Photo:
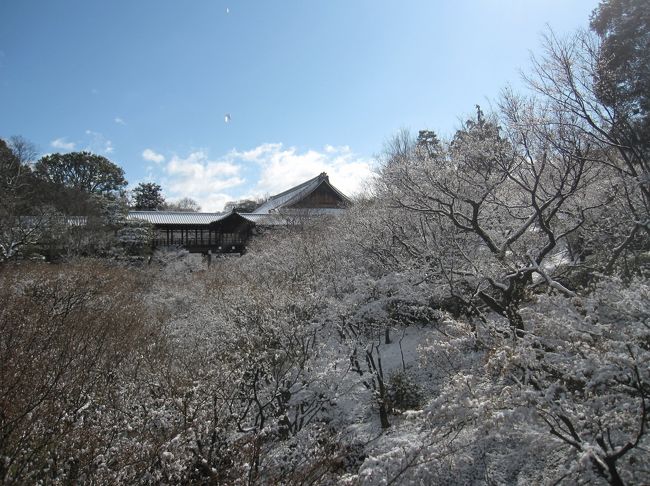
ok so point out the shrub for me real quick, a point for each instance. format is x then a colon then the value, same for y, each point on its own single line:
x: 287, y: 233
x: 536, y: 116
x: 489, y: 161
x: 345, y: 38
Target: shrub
x: 67, y: 336
x: 403, y: 392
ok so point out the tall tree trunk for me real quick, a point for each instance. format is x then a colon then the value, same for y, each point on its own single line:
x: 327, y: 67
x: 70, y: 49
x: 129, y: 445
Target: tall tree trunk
x: 378, y: 372
x: 515, y: 319
x: 614, y: 478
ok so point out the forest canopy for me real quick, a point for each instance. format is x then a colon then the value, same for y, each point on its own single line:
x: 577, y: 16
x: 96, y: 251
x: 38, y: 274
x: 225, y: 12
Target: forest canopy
x: 480, y: 316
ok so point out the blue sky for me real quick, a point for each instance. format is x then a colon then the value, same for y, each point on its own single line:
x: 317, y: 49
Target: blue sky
x: 310, y: 85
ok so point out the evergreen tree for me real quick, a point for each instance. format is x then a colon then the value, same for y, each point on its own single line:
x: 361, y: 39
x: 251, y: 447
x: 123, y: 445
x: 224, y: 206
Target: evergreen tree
x: 148, y: 197
x: 81, y: 171
x: 623, y: 68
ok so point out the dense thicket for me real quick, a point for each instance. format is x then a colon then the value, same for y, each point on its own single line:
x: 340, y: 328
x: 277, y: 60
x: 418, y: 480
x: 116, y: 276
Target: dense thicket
x: 483, y: 317
x: 64, y: 205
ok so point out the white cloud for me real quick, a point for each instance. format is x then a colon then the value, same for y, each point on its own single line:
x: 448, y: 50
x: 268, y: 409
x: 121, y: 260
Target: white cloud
x: 60, y: 143
x: 211, y: 203
x: 99, y: 143
x: 259, y: 153
x: 282, y: 168
x: 273, y: 169
x: 119, y: 121
x: 330, y: 149
x: 202, y: 179
x: 152, y: 156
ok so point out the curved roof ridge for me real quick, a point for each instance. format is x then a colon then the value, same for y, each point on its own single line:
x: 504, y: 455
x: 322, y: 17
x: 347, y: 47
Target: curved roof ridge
x: 290, y: 196
x: 300, y: 186
x: 145, y: 211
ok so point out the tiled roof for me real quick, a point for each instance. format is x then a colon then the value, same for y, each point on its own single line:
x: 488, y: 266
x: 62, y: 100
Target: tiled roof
x: 264, y: 219
x: 296, y: 193
x: 267, y: 214
x: 76, y: 220
x: 175, y: 217
x: 180, y: 218
x: 48, y: 220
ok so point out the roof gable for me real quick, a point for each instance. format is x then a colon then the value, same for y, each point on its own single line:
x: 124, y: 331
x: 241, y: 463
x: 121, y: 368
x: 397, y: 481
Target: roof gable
x: 316, y: 195
x: 293, y: 197
x: 173, y: 218
x: 232, y: 222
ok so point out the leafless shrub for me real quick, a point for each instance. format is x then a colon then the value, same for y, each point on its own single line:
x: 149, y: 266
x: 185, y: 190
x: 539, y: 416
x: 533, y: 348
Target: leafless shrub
x: 66, y: 336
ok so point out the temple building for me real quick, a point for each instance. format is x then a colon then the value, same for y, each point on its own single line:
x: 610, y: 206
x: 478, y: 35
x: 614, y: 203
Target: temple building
x: 229, y: 232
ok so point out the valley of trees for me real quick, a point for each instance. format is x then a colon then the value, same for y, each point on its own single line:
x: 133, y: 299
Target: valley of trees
x: 481, y: 316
